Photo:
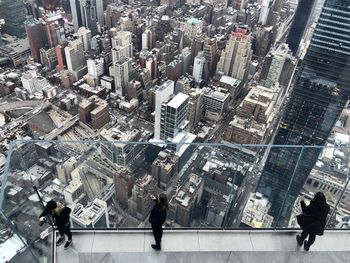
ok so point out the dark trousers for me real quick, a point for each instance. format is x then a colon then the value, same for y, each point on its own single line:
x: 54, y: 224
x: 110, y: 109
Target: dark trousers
x: 65, y: 230
x: 311, y: 240
x: 157, y: 233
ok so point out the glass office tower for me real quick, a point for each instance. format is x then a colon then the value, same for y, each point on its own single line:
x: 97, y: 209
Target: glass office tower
x: 320, y: 92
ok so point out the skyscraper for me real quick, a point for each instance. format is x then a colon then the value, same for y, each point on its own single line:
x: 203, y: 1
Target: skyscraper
x: 14, y: 15
x: 235, y: 60
x: 76, y: 15
x: 162, y: 93
x: 298, y: 26
x: 91, y: 14
x: 211, y: 54
x: 320, y: 92
x: 122, y: 46
x: 173, y: 117
x: 199, y: 67
x: 121, y: 71
x: 279, y: 56
x: 75, y: 58
x: 36, y: 37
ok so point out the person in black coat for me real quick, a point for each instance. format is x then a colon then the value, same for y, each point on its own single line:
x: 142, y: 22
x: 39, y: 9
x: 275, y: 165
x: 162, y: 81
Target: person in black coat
x: 157, y: 219
x: 61, y: 216
x: 312, y: 220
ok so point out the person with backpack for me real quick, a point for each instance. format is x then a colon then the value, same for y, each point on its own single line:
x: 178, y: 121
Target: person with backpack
x: 313, y: 220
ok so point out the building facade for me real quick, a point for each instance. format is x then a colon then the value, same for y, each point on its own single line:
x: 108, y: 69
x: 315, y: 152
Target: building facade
x: 320, y: 93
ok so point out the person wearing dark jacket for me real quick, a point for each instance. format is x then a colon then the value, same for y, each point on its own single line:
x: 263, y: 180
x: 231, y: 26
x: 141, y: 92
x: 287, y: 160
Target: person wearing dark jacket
x: 157, y: 219
x: 312, y: 220
x: 61, y: 217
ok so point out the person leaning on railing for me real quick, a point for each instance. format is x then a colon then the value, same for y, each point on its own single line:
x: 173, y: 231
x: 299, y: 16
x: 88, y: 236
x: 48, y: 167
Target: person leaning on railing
x: 312, y: 220
x: 157, y: 218
x: 61, y: 216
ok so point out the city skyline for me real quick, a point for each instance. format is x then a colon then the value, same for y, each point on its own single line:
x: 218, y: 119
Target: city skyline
x: 106, y: 103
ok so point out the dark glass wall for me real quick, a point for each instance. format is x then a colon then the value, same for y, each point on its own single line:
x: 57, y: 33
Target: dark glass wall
x: 301, y: 17
x: 320, y: 92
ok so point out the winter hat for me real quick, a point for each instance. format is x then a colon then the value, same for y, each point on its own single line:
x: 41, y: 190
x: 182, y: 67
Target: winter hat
x: 51, y: 205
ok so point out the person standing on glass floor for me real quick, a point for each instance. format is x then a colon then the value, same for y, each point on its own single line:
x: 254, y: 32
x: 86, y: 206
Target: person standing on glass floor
x: 61, y: 216
x: 157, y: 218
x: 313, y: 220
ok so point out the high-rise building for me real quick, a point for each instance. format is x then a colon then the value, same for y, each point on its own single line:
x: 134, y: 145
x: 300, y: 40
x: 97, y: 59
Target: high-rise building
x: 113, y: 13
x: 14, y: 12
x: 215, y: 102
x: 266, y: 5
x: 186, y: 198
x: 122, y: 46
x: 91, y: 14
x: 297, y: 28
x: 164, y: 168
x: 254, y: 117
x: 124, y: 182
x: 263, y: 40
x: 319, y: 94
x: 95, y: 67
x: 36, y: 37
x: 195, y: 108
x: 141, y: 202
x: 151, y: 65
x: 200, y: 69
x: 174, y: 69
x: 120, y: 71
x: 173, y: 116
x: 61, y: 58
x: 235, y: 60
x: 196, y: 46
x: 75, y: 58
x: 147, y: 39
x: 94, y: 111
x: 94, y: 215
x: 186, y: 58
x: 210, y: 49
x: 85, y: 35
x: 121, y: 154
x: 162, y: 93
x: 76, y: 15
x: 279, y: 56
x: 239, y: 4
x: 48, y: 58
x: 54, y: 26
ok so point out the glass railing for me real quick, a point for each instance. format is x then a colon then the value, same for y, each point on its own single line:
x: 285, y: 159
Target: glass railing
x: 109, y: 185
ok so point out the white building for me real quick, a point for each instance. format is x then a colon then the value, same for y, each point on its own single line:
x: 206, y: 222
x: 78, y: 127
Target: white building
x: 75, y: 58
x: 121, y: 70
x: 198, y: 67
x: 95, y: 67
x: 147, y: 39
x: 122, y: 46
x: 162, y: 93
x: 173, y: 117
x: 264, y: 11
x: 93, y: 215
x: 85, y: 35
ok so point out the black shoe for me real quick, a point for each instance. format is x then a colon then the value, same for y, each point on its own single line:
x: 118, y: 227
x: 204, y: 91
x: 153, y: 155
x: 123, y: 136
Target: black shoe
x: 299, y: 241
x: 306, y: 246
x: 59, y: 241
x: 68, y: 243
x: 155, y: 247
